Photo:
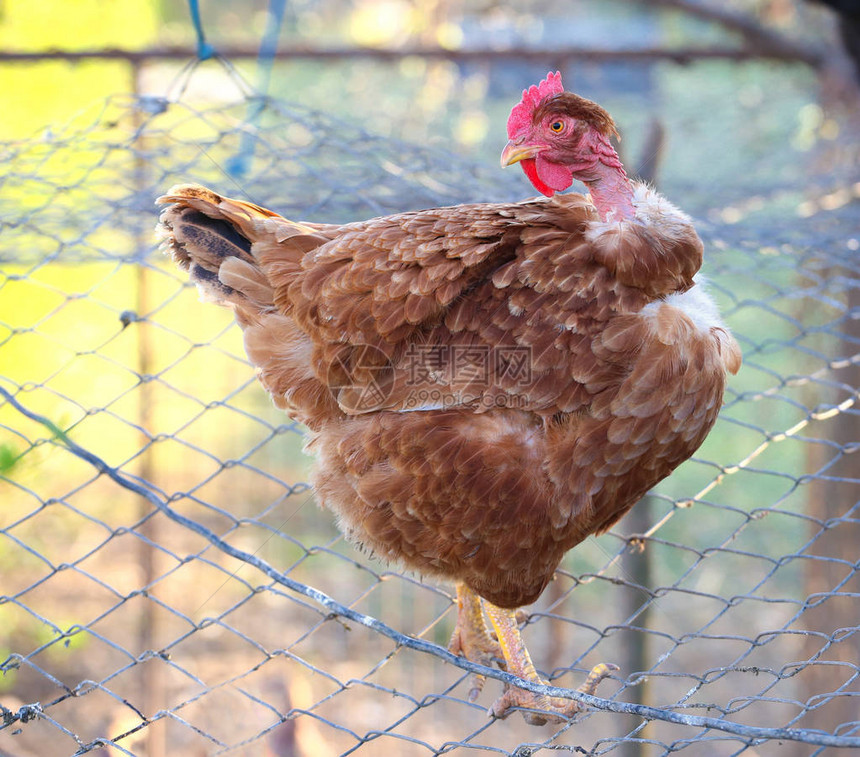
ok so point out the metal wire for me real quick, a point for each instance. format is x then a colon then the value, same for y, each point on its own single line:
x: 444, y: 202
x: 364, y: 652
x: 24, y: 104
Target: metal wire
x: 167, y: 590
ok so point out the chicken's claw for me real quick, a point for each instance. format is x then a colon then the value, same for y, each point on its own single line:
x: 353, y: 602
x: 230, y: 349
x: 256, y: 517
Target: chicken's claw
x: 472, y: 639
x: 539, y: 709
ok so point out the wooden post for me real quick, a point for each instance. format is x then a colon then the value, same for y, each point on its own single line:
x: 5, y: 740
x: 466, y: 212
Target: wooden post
x: 832, y: 581
x: 636, y: 568
x: 152, y: 679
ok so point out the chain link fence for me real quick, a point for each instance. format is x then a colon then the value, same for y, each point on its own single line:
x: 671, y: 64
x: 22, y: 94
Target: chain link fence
x: 169, y: 586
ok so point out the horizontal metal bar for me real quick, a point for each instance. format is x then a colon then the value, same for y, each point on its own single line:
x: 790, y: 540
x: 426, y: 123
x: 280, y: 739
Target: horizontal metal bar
x: 558, y: 56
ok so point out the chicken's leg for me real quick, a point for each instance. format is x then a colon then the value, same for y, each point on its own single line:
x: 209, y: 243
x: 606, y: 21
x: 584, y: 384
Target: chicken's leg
x: 519, y: 663
x: 472, y: 639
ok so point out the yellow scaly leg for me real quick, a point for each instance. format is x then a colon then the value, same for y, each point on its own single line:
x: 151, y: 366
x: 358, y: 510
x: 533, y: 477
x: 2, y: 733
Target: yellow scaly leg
x: 519, y: 663
x: 471, y: 637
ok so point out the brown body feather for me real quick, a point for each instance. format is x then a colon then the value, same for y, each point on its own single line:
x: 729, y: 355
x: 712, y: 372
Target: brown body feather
x: 477, y: 473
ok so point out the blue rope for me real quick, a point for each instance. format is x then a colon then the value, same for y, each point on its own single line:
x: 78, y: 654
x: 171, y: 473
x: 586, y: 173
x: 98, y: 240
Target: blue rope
x: 238, y: 165
x: 269, y: 43
x: 205, y: 51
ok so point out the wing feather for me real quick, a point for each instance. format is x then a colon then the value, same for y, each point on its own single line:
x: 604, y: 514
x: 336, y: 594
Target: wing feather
x: 555, y: 367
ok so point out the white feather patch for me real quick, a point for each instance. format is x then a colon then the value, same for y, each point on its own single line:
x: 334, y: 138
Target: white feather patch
x: 695, y: 303
x: 652, y: 209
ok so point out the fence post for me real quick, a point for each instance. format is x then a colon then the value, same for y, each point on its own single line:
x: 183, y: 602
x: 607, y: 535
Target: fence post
x: 152, y: 680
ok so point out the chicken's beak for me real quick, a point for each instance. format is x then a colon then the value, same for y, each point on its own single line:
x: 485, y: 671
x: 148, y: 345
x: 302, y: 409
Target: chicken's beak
x: 514, y: 153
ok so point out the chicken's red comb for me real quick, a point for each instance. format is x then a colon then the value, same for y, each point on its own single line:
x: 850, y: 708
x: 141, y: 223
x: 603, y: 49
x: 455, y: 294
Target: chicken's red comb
x: 521, y: 114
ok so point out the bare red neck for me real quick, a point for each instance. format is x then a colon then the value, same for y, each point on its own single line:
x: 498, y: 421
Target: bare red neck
x: 611, y: 190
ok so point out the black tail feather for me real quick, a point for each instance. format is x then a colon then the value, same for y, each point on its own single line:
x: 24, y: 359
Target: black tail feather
x: 201, y: 244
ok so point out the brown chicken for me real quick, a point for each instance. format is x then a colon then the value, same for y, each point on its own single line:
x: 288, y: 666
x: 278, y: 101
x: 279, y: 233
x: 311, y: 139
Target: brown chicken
x: 484, y: 385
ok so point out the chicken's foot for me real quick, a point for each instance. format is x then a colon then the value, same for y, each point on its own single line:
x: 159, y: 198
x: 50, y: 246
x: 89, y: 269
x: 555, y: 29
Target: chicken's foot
x: 519, y: 663
x: 472, y: 639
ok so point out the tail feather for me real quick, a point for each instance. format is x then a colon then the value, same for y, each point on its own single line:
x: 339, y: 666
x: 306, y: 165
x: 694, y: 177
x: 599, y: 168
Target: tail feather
x: 242, y: 255
x: 240, y: 276
x: 246, y: 216
x: 228, y: 245
x: 208, y: 236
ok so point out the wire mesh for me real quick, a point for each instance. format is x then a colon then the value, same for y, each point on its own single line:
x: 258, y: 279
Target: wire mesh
x: 169, y: 588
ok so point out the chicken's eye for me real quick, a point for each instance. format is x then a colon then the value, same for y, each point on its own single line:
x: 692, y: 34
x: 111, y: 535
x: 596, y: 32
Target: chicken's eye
x: 557, y: 126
